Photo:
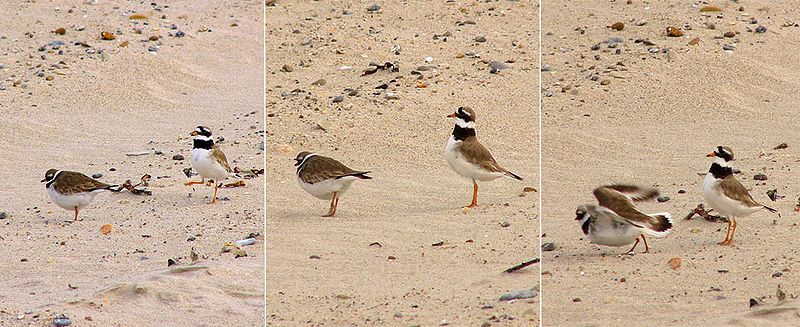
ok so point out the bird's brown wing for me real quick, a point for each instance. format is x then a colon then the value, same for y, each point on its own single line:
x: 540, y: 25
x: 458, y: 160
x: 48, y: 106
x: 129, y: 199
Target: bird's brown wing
x: 732, y: 188
x: 474, y: 152
x: 621, y: 204
x: 70, y: 182
x: 634, y: 192
x: 319, y: 168
x: 220, y: 158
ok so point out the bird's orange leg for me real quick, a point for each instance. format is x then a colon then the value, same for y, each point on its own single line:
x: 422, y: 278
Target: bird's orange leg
x: 474, y: 195
x: 728, y: 235
x: 646, y: 248
x: 334, y: 203
x: 631, y: 252
x: 216, y: 186
x: 76, y: 214
x: 733, y: 232
x: 190, y: 183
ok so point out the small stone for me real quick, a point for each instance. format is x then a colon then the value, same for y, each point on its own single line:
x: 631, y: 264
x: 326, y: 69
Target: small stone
x: 710, y: 9
x: 728, y: 47
x: 596, y: 47
x: 761, y: 29
x: 605, y: 82
x: 781, y: 146
x: 662, y: 199
x: 177, y: 157
x: 681, y: 191
x: 180, y: 34
x: 777, y: 274
x: 97, y: 175
x: 695, y: 41
x: 61, y: 321
x: 760, y: 177
x: 374, y: 7
x: 319, y: 82
x: 153, y: 38
x: 518, y: 295
x: 287, y: 68
x: 3, y: 215
x: 576, y: 300
x: 696, y: 230
x: 550, y: 246
x: 641, y: 22
x: 497, y: 66
x: 729, y: 34
x: 546, y: 68
x: 261, y: 145
x: 480, y: 39
x: 618, y: 26
x: 674, y: 32
x: 107, y: 36
x: 505, y: 224
x: 338, y: 98
x: 124, y: 44
x: 60, y: 31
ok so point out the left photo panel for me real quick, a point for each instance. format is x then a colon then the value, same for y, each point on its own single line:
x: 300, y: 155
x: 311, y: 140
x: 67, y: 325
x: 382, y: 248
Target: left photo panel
x: 133, y: 163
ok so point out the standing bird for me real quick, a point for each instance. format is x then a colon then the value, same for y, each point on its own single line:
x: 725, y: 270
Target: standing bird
x: 468, y: 157
x: 615, y: 221
x: 325, y: 178
x: 72, y: 190
x: 723, y: 192
x: 208, y: 160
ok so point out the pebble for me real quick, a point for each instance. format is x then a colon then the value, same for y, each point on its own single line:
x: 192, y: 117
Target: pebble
x: 3, y: 215
x: 480, y: 39
x: 605, y: 82
x: 596, y: 46
x: 374, y: 7
x: 180, y: 34
x: 497, y: 66
x: 517, y: 295
x: 107, y: 36
x: 261, y: 146
x: 618, y: 26
x: 319, y: 82
x: 392, y: 96
x: 61, y: 321
x: 505, y: 224
x: 761, y: 29
x: 550, y: 246
x: 662, y: 199
x: 760, y: 177
x: 60, y: 31
x: 777, y: 274
x: 674, y: 32
x: 729, y: 34
x: 287, y: 68
x: 728, y: 47
x: 97, y: 175
x: 177, y: 157
x: 338, y: 98
x: 546, y: 68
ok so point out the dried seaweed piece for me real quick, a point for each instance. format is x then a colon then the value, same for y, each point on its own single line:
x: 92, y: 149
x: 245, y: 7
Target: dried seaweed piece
x: 702, y: 212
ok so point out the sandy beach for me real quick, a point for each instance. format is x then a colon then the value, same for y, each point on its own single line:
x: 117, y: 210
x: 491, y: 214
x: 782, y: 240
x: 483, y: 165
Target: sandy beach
x: 124, y: 108
x: 375, y: 262
x: 653, y: 111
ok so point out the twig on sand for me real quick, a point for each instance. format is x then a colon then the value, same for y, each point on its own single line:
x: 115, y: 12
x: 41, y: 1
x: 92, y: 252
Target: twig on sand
x: 248, y: 173
x: 521, y: 265
x: 702, y: 212
x: 128, y: 185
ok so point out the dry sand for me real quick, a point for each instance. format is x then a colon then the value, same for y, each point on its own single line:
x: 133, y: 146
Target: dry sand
x: 653, y: 125
x: 97, y: 108
x: 414, y: 199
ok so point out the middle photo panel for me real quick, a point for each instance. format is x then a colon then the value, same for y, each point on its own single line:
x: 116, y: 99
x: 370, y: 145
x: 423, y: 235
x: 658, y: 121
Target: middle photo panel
x: 402, y: 147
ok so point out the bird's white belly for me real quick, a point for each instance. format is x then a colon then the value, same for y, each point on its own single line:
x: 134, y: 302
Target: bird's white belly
x: 206, y: 166
x: 721, y: 203
x: 611, y: 236
x: 69, y: 202
x: 463, y: 167
x: 324, y: 189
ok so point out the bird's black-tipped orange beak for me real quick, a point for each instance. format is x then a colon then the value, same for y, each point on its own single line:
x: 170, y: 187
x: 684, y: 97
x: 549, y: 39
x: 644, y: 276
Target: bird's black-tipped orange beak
x: 711, y: 154
x: 453, y: 115
x: 193, y: 133
x: 42, y: 181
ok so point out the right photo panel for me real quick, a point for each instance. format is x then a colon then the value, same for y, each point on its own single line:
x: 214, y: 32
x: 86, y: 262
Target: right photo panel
x: 668, y: 150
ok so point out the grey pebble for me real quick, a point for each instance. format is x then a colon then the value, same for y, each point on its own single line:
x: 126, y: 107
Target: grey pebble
x: 180, y: 34
x: 550, y: 246
x: 374, y: 7
x: 663, y: 199
x: 3, y: 215
x: 287, y: 68
x: 177, y: 157
x: 777, y: 274
x: 96, y: 176
x: 546, y: 68
x: 261, y: 146
x: 497, y: 66
x: 505, y: 224
x: 760, y: 177
x: 480, y: 38
x: 761, y: 29
x: 338, y: 98
x: 517, y: 295
x: 615, y: 39
x: 728, y: 47
x: 596, y: 47
x: 61, y: 321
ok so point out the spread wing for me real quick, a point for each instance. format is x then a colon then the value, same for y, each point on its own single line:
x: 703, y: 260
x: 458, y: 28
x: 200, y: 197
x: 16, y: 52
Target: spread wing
x: 73, y: 182
x: 621, y: 204
x: 732, y: 188
x: 635, y: 193
x: 319, y: 168
x: 474, y: 152
x: 220, y: 158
